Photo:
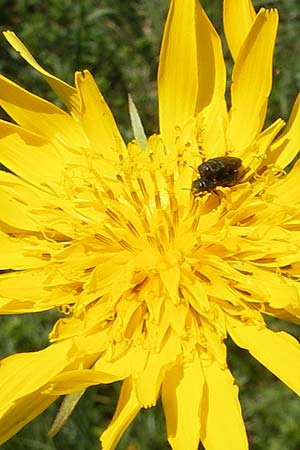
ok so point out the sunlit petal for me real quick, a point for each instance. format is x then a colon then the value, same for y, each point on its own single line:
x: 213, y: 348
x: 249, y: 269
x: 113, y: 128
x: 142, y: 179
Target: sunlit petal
x: 252, y: 80
x: 66, y: 92
x: 238, y: 17
x: 278, y: 352
x: 220, y: 410
x: 127, y: 409
x: 191, y: 67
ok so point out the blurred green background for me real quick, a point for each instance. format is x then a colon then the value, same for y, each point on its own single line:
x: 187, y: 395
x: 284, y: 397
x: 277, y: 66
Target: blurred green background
x: 119, y: 42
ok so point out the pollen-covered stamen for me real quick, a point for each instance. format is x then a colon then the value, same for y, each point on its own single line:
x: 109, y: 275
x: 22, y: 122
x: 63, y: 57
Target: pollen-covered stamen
x: 46, y: 256
x: 156, y: 191
x: 173, y: 204
x: 65, y: 309
x: 121, y: 220
x: 108, y: 191
x: 113, y: 216
x: 120, y: 240
x: 154, y: 202
x: 138, y: 204
x: 143, y: 189
x: 194, y: 206
x: 170, y: 227
x: 201, y: 275
x: 195, y: 224
x: 156, y: 242
x: 103, y: 239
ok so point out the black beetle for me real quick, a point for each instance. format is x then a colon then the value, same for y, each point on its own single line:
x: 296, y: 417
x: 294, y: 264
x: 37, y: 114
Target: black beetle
x: 220, y: 171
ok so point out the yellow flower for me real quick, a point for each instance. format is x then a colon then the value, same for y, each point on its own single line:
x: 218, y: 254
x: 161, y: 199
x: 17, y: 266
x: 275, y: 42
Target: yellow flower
x: 151, y: 277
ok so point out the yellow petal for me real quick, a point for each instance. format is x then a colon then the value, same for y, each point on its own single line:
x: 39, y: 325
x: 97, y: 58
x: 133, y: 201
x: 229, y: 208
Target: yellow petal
x: 104, y: 370
x: 39, y: 116
x: 23, y: 377
x: 30, y: 156
x: 279, y: 352
x: 262, y: 155
x: 149, y: 382
x: 287, y: 190
x: 214, y: 120
x: 181, y: 397
x: 127, y: 409
x: 25, y: 207
x: 23, y: 412
x: 28, y: 378
x: 222, y: 425
x: 25, y: 290
x: 238, y: 17
x: 191, y: 68
x: 73, y: 381
x: 16, y: 199
x: 24, y: 252
x: 66, y: 92
x: 287, y: 146
x: 170, y: 277
x: 97, y: 119
x: 177, y: 64
x: 252, y: 80
x: 15, y: 213
x: 270, y: 287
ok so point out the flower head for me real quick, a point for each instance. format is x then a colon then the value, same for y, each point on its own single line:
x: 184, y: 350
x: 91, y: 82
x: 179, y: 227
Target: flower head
x: 152, y: 278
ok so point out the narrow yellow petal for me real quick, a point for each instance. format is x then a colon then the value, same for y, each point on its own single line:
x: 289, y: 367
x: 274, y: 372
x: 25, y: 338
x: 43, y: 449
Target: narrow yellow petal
x: 212, y: 77
x: 149, y: 382
x: 238, y: 17
x: 279, y: 352
x: 15, y: 213
x: 73, y: 381
x: 127, y: 409
x: 263, y: 155
x: 26, y: 290
x: 26, y: 207
x: 97, y: 119
x: 287, y: 146
x: 215, y: 121
x: 104, y: 370
x: 21, y: 396
x: 191, y: 68
x: 24, y: 252
x: 170, y: 277
x: 39, y: 116
x: 177, y: 72
x: 287, y: 190
x: 221, y: 416
x: 35, y: 369
x: 23, y: 412
x: 64, y: 91
x: 30, y: 156
x: 181, y: 397
x: 210, y: 63
x: 252, y: 80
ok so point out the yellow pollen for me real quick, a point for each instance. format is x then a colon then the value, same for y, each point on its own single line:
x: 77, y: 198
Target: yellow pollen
x: 143, y: 189
x: 195, y: 224
x: 125, y: 245
x: 46, y: 256
x: 105, y: 240
x: 132, y: 228
x: 113, y: 216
